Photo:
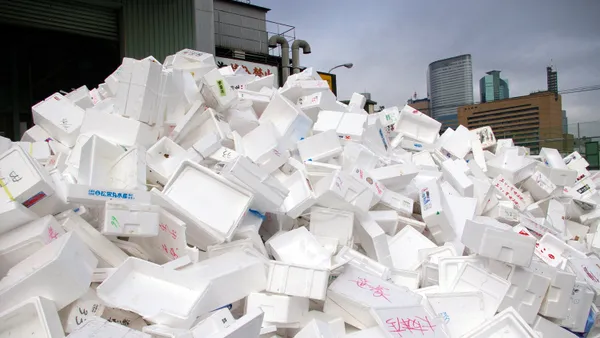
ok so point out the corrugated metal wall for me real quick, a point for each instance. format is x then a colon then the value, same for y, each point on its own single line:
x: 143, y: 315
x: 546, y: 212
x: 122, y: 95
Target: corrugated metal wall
x: 64, y: 15
x: 156, y: 27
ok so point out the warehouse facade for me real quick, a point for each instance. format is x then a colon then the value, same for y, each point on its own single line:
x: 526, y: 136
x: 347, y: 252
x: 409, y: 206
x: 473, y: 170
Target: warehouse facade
x: 61, y: 44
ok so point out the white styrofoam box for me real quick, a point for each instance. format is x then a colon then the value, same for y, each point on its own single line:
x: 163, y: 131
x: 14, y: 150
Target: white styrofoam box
x: 259, y: 101
x: 556, y: 300
x: 98, y: 195
x: 60, y: 271
x: 301, y: 195
x: 81, y: 97
x: 505, y: 212
x: 33, y: 134
x: 497, y: 243
x: 461, y: 210
x: 269, y: 193
x: 314, y: 103
x: 433, y: 213
x: 206, y: 132
x: 560, y: 177
x: 507, y: 324
x: 527, y: 290
x: 327, y: 120
x: 423, y: 160
x: 395, y: 176
x: 351, y: 126
x: 218, y: 217
x: 107, y: 253
x: 13, y: 214
x: 293, y: 90
x: 372, y: 332
x: 396, y: 320
x: 248, y: 325
x: 289, y: 120
x: 515, y: 168
x: 372, y: 239
x: 84, y: 308
x: 433, y: 255
x: 459, y: 143
x: 339, y: 190
x: 353, y: 258
x: 316, y: 328
x: 357, y: 155
x: 208, y: 325
x: 404, y: 248
x: 299, y: 247
x: 20, y: 243
x: 101, y: 328
x: 34, y: 317
x: 130, y: 220
x: 320, y: 147
x: 405, y: 221
x: 386, y: 219
x: 457, y: 178
x: 296, y: 280
x: 237, y: 245
x: 162, y: 160
x: 217, y: 91
x: 539, y: 186
x: 60, y: 117
x: 39, y: 151
x: 357, y: 100
x: 278, y: 309
x: 511, y: 193
x: 118, y: 129
x: 262, y: 145
x: 160, y: 295
x: 376, y: 139
x: 578, y: 308
x: 486, y: 136
x: 575, y: 161
x: 354, y: 292
x: 554, y: 251
x: 493, y: 288
x: 375, y: 189
x: 142, y: 95
x: 546, y: 328
x: 96, y: 159
x: 409, y: 279
x: 417, y: 125
x: 326, y: 222
x: 402, y: 204
x: 460, y: 311
x: 23, y: 180
x: 128, y: 171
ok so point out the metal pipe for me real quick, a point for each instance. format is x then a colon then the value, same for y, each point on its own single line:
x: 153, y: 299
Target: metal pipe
x: 296, y: 54
x: 285, y: 57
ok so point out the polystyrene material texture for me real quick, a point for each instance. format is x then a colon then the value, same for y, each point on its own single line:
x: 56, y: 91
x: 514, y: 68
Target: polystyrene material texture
x: 506, y: 324
x: 132, y: 220
x: 300, y: 247
x: 61, y: 272
x: 294, y: 280
x: 280, y: 309
x: 35, y: 317
x: 405, y: 246
x: 461, y: 311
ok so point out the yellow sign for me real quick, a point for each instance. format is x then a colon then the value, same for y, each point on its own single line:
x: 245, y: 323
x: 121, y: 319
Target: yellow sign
x: 331, y: 81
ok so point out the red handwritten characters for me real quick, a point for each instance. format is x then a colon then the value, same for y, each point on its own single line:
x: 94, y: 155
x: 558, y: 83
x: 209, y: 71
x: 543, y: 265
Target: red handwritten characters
x: 165, y: 249
x: 173, y: 253
x: 163, y: 227
x: 173, y: 234
x: 412, y: 325
x: 378, y: 291
x: 52, y: 233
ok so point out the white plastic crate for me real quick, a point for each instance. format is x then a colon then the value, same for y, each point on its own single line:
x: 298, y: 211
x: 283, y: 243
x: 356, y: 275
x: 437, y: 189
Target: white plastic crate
x: 295, y: 280
x: 60, y: 271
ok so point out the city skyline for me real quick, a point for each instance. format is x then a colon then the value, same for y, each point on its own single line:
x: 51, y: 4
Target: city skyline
x: 392, y: 44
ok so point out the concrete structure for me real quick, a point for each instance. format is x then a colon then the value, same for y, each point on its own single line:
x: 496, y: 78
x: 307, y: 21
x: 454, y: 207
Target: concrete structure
x: 421, y: 105
x: 450, y: 85
x: 492, y: 87
x: 532, y: 121
x: 552, y: 79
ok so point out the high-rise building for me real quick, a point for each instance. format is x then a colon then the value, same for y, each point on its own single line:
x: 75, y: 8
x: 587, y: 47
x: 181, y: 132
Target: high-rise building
x: 450, y: 85
x: 532, y: 121
x: 565, y: 122
x: 492, y: 87
x: 552, y: 78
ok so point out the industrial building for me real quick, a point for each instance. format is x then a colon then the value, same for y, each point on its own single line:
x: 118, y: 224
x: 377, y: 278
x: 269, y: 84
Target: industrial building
x: 533, y: 121
x: 450, y: 85
x: 61, y: 44
x: 492, y: 87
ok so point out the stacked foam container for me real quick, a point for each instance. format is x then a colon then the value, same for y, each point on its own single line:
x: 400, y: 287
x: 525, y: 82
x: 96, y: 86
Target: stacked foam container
x: 182, y: 200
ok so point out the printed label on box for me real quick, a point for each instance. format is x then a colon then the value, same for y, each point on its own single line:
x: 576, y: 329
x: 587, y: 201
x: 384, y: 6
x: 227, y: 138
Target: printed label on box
x: 33, y: 200
x: 111, y: 194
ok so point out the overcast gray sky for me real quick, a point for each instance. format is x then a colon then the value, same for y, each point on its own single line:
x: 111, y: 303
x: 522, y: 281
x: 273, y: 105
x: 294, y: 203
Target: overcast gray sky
x: 391, y: 42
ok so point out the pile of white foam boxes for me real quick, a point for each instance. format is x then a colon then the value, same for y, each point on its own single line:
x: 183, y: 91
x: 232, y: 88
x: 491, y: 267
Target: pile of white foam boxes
x: 185, y: 201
